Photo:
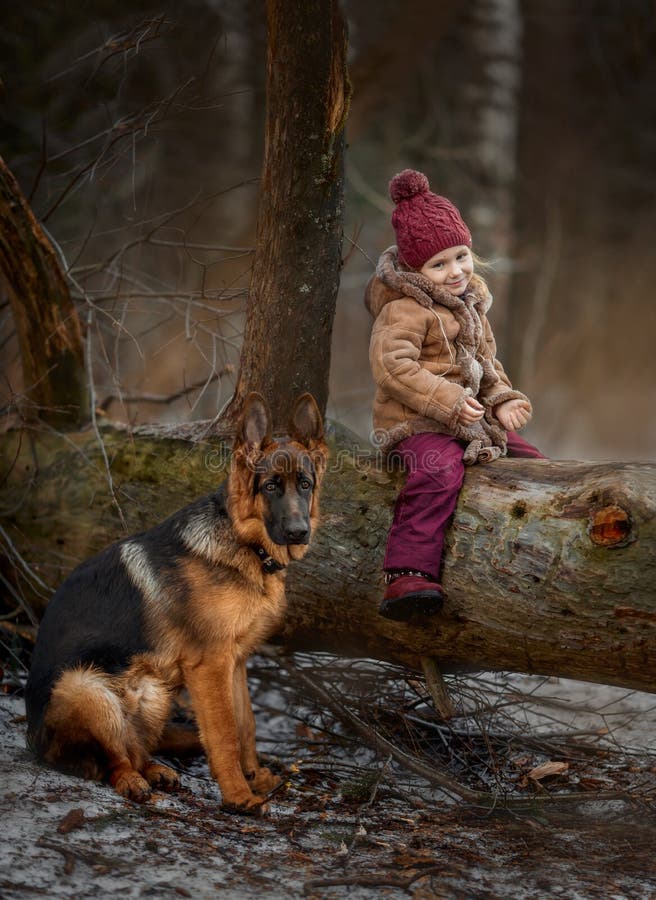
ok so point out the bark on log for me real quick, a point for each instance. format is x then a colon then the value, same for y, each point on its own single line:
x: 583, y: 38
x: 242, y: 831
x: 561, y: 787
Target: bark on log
x: 550, y: 566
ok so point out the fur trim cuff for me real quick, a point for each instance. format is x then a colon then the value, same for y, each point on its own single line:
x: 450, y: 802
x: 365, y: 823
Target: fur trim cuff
x: 491, y: 402
x: 502, y: 396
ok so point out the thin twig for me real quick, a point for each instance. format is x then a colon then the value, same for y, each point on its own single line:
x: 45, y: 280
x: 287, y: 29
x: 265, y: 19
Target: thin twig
x: 444, y: 782
x: 166, y: 398
x: 94, y: 419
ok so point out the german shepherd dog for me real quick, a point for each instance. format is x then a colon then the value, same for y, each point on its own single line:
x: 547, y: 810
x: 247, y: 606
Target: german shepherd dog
x: 181, y: 605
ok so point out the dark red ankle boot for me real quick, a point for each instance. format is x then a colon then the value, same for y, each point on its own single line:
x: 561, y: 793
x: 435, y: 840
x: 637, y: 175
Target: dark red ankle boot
x: 409, y: 595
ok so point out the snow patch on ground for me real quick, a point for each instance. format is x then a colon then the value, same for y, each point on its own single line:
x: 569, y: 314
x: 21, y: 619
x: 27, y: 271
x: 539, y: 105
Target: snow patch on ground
x: 63, y: 837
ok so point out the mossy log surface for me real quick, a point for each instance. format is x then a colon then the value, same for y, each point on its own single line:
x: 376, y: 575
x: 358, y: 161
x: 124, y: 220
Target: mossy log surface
x: 550, y: 566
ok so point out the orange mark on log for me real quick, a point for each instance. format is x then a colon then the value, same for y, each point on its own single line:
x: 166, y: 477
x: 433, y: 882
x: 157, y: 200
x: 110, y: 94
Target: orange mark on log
x: 610, y: 526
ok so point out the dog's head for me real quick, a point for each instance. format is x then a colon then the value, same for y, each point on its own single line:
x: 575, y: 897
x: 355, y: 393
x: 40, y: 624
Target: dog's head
x: 273, y: 494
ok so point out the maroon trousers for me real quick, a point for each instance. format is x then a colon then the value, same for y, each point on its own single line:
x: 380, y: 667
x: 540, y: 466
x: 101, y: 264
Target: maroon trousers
x: 435, y: 472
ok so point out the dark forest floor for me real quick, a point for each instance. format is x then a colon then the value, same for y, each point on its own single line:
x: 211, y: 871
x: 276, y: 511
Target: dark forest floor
x: 347, y: 824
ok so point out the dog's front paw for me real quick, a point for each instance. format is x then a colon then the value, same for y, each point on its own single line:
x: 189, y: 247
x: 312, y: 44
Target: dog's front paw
x: 264, y: 781
x: 163, y: 777
x: 253, y: 805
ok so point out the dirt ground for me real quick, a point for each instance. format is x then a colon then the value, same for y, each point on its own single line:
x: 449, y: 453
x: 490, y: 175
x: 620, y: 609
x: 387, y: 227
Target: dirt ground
x: 347, y: 824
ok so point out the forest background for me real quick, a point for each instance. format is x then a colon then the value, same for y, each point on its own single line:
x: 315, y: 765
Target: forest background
x: 136, y: 131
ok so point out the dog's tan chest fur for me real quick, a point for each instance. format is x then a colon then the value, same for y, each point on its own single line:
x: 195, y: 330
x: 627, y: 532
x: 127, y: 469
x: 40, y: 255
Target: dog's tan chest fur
x: 222, y: 608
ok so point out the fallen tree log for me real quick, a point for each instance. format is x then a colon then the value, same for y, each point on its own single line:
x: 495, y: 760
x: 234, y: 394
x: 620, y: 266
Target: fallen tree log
x: 550, y: 566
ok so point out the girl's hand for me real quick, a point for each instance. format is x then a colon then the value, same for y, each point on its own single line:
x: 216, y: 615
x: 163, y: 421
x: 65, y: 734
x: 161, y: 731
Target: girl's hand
x: 513, y: 414
x: 470, y: 412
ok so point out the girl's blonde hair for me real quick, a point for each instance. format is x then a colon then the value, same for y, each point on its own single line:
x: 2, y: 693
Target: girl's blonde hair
x: 486, y: 265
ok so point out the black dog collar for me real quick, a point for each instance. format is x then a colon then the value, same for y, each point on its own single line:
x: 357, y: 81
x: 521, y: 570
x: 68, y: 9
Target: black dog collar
x: 269, y: 564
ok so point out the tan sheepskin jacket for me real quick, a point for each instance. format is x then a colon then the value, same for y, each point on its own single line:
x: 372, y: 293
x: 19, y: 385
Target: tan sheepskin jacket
x: 430, y: 350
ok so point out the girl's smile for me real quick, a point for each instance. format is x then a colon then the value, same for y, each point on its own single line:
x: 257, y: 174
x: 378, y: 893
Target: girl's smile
x: 451, y: 269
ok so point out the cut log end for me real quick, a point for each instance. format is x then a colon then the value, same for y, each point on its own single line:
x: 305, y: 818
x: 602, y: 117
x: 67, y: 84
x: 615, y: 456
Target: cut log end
x: 610, y: 526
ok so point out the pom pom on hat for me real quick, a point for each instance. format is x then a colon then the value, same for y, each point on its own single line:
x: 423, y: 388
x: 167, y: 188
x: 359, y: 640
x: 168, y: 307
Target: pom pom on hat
x: 425, y: 223
x: 408, y: 183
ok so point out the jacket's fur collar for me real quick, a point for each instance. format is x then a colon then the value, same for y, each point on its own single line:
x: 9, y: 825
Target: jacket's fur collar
x: 391, y: 282
x: 486, y: 439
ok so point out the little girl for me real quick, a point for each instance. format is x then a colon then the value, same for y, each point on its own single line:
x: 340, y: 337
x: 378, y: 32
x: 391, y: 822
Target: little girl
x: 443, y: 400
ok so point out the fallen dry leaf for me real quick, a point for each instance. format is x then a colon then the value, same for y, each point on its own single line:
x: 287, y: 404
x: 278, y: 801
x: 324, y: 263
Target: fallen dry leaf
x: 520, y: 762
x: 547, y: 769
x: 73, y: 819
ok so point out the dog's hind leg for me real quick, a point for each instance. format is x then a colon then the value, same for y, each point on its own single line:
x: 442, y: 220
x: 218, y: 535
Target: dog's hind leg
x: 86, y: 732
x: 175, y: 740
x: 147, y: 705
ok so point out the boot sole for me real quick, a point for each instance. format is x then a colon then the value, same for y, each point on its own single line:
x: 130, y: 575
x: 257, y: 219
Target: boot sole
x: 417, y: 603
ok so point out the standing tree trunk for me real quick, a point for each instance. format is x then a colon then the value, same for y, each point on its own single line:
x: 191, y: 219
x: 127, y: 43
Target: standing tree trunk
x: 299, y: 231
x: 485, y: 128
x: 49, y: 338
x: 551, y: 108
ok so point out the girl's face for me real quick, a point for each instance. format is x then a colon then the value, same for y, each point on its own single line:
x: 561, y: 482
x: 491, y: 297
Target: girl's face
x: 451, y: 269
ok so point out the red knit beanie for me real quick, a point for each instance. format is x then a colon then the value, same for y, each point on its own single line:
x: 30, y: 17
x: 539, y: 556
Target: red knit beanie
x: 425, y: 223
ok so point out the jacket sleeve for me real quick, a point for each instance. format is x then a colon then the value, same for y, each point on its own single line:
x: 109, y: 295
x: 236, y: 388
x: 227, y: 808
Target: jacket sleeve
x: 500, y: 389
x: 397, y: 339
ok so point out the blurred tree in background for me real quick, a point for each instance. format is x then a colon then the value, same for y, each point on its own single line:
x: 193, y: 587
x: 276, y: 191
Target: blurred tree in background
x: 137, y: 133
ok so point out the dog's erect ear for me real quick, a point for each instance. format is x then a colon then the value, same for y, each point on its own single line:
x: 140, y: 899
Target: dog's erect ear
x: 254, y: 428
x: 306, y: 424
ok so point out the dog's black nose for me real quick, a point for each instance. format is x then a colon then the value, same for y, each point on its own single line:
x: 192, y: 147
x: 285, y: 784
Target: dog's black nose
x: 297, y: 535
